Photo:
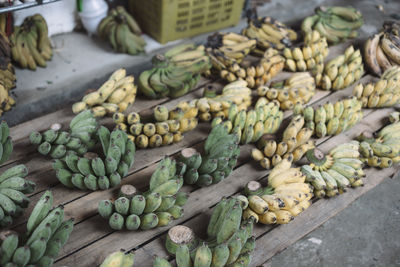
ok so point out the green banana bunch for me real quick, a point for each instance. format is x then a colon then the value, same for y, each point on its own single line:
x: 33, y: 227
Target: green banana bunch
x: 157, y: 207
x: 120, y: 29
x: 383, y: 93
x: 46, y: 234
x: 163, y: 127
x: 30, y: 43
x: 221, y: 154
x: 332, y: 174
x: 7, y: 74
x: 119, y: 259
x: 175, y: 73
x: 336, y: 23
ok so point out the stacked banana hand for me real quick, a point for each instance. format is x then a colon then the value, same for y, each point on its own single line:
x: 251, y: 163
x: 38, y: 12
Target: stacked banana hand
x: 286, y: 196
x: 221, y: 154
x: 229, y: 243
x: 217, y: 105
x: 295, y: 143
x: 115, y: 95
x: 299, y: 88
x: 250, y: 125
x: 332, y: 119
x: 119, y: 259
x: 175, y: 73
x: 30, y: 43
x: 383, y: 150
x: 342, y: 71
x: 382, y: 51
x: 7, y: 74
x: 383, y: 93
x: 336, y: 23
x: 162, y: 128
x: 331, y: 174
x: 78, y: 140
x: 157, y: 207
x: 91, y: 172
x: 46, y: 235
x: 120, y: 29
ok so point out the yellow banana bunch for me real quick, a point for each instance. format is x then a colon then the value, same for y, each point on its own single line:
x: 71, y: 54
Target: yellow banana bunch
x: 7, y: 74
x: 115, y: 95
x: 383, y: 93
x: 332, y: 174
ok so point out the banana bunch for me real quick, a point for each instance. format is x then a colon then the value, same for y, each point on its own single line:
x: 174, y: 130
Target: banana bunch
x: 299, y: 88
x: 295, y: 143
x: 250, y: 125
x: 162, y: 128
x: 217, y: 105
x: 120, y: 29
x: 285, y: 197
x: 342, y: 71
x: 6, y: 145
x: 229, y: 243
x: 7, y: 74
x: 383, y: 150
x: 383, y: 93
x: 157, y: 207
x: 332, y: 119
x: 46, y: 234
x: 119, y: 259
x: 336, y: 23
x: 91, y: 172
x: 382, y: 50
x: 78, y: 140
x: 331, y: 174
x: 175, y: 73
x: 221, y: 154
x: 30, y: 43
x: 115, y: 95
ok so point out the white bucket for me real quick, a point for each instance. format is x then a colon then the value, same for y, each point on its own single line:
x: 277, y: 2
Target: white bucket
x: 93, y: 11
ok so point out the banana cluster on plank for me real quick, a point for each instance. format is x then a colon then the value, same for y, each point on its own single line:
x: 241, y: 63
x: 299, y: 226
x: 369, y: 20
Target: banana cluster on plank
x: 332, y: 174
x: 7, y: 74
x: 299, y: 88
x: 115, y: 95
x: 46, y: 235
x: 383, y: 93
x: 175, y: 73
x: 382, y: 50
x: 336, y: 23
x: 156, y: 207
x: 285, y: 197
x: 119, y: 259
x: 342, y: 71
x: 162, y: 128
x: 295, y: 143
x: 220, y: 157
x: 30, y: 43
x: 120, y: 29
x: 230, y: 239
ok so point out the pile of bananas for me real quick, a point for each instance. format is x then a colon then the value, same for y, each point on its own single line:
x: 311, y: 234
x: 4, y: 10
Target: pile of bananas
x: 115, y: 95
x: 221, y: 154
x: 7, y: 74
x: 295, y: 143
x: 157, y: 207
x: 217, y: 105
x: 78, y: 140
x: 384, y: 150
x: 332, y: 119
x: 229, y: 243
x: 383, y: 93
x: 46, y: 235
x: 30, y: 43
x: 120, y: 29
x: 331, y: 174
x: 175, y: 73
x: 299, y: 88
x: 286, y: 196
x: 119, y: 259
x: 250, y: 125
x: 162, y: 128
x: 335, y: 23
x: 382, y: 51
x: 342, y: 71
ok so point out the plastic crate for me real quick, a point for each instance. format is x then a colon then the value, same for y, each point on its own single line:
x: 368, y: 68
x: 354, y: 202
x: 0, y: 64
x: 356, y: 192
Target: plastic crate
x: 167, y: 20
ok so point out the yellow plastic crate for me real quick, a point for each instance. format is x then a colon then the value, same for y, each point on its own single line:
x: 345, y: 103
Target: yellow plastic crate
x: 168, y: 20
